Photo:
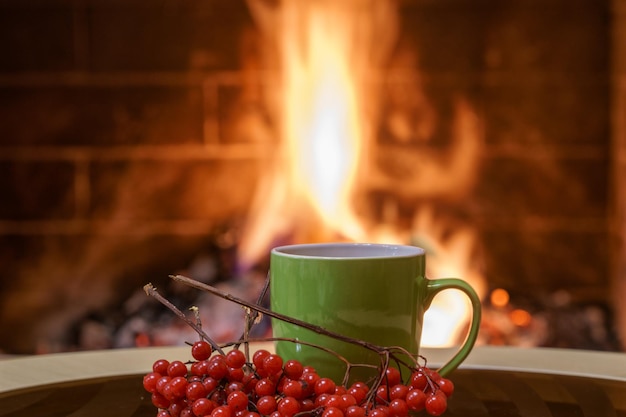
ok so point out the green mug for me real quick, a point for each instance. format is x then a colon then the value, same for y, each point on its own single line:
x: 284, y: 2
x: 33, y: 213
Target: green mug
x: 377, y: 293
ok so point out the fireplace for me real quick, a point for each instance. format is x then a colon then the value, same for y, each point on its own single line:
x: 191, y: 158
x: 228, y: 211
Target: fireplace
x: 138, y: 136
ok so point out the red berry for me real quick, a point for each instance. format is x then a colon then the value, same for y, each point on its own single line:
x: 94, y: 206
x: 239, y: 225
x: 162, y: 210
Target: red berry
x: 258, y: 358
x: 162, y: 383
x: 324, y: 386
x: 235, y: 359
x: 176, y: 368
x: 293, y: 389
x: 264, y: 387
x: 320, y: 400
x: 221, y: 411
x: 237, y: 401
x: 202, y: 407
x: 198, y: 368
x: 379, y: 412
x: 235, y: 374
x: 415, y: 399
x: 249, y: 382
x: 332, y: 412
x: 159, y: 401
x: 176, y: 408
x: 218, y: 397
x: 358, y: 393
x: 392, y: 376
x: 398, y: 408
x: 347, y: 400
x: 266, y: 405
x: 447, y: 386
x: 233, y: 386
x: 201, y: 350
x: 359, y: 384
x: 293, y: 369
x: 382, y: 393
x: 398, y: 391
x: 308, y: 369
x: 333, y: 400
x: 210, y: 383
x: 195, y: 390
x: 160, y: 366
x: 288, y: 406
x: 187, y: 412
x: 150, y: 380
x: 307, y: 405
x: 310, y: 379
x: 176, y: 388
x: 217, y: 367
x: 419, y: 379
x: 436, y: 403
x: 355, y: 411
x: 273, y: 364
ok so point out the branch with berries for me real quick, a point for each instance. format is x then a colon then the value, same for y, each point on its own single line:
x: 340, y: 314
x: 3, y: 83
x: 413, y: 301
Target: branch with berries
x: 228, y: 381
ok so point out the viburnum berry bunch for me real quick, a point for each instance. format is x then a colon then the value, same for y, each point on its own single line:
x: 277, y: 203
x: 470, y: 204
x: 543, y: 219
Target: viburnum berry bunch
x: 230, y: 385
x: 219, y: 383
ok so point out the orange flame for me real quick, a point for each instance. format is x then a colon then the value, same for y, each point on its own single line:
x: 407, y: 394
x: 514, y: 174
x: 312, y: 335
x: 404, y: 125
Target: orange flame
x: 322, y: 130
x: 325, y: 106
x: 324, y: 49
x: 449, y: 254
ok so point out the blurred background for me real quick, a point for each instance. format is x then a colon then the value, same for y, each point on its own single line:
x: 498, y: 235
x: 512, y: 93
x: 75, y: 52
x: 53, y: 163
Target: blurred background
x: 142, y: 138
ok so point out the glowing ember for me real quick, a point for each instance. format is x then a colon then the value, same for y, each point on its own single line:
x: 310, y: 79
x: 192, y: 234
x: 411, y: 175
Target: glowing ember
x: 325, y: 105
x: 499, y: 297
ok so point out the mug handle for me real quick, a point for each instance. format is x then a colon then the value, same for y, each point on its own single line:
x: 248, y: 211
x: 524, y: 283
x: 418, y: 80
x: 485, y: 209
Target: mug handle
x: 433, y: 287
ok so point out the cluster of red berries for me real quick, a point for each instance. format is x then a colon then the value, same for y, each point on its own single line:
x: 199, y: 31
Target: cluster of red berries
x: 230, y: 386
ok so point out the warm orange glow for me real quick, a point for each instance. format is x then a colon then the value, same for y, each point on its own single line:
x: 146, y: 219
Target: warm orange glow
x: 322, y: 120
x: 499, y: 297
x: 450, y: 253
x: 325, y: 107
x: 322, y: 99
x: 521, y: 318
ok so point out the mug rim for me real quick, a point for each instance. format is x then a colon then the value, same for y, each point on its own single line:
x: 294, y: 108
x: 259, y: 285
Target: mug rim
x: 387, y: 250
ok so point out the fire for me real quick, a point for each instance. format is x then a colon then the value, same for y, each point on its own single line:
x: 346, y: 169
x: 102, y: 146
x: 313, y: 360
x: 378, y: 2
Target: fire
x: 322, y: 128
x: 325, y: 107
x: 451, y: 256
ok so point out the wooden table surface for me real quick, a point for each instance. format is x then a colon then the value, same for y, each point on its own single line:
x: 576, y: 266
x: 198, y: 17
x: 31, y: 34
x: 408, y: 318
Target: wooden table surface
x: 493, y: 381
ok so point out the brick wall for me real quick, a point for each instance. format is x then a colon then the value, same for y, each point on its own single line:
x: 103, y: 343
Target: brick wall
x: 119, y: 158
x: 114, y: 168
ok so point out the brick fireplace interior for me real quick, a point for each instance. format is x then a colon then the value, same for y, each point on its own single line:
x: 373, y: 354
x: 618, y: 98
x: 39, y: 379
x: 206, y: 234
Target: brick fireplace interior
x: 133, y: 135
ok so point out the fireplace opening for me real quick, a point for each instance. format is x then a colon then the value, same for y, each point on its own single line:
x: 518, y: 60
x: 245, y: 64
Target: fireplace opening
x: 141, y: 140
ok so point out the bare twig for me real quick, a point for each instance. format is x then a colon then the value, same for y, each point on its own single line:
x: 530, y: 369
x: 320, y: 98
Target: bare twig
x: 316, y: 329
x: 152, y: 291
x: 253, y: 317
